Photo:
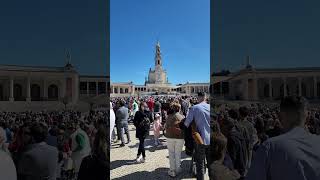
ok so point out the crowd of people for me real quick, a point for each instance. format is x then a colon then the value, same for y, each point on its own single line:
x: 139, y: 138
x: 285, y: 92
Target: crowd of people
x: 184, y: 121
x: 265, y: 141
x: 250, y: 141
x: 62, y: 145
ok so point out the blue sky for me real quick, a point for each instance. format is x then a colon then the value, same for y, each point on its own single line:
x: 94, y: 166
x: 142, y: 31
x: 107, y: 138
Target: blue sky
x: 182, y: 27
x: 36, y: 32
x: 274, y: 33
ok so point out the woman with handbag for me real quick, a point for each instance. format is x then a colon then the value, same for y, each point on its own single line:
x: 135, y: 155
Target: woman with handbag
x: 175, y: 138
x: 142, y: 120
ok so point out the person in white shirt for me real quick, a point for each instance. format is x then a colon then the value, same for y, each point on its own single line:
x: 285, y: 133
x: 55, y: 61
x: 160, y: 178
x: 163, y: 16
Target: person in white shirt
x: 112, y: 121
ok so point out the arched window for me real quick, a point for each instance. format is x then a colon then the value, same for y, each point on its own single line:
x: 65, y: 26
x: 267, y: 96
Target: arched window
x: 116, y: 90
x: 35, y: 92
x: 126, y: 90
x: 53, y: 92
x: 17, y: 92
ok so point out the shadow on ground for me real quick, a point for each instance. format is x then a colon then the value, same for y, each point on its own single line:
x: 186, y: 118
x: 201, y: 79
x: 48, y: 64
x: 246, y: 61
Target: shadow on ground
x: 160, y: 173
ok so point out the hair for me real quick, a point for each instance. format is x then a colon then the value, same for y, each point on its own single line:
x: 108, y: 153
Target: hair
x: 215, y: 127
x: 293, y: 107
x: 121, y: 103
x: 243, y: 111
x: 175, y: 107
x: 292, y: 104
x: 233, y: 114
x: 201, y: 94
x: 38, y: 132
x: 218, y: 146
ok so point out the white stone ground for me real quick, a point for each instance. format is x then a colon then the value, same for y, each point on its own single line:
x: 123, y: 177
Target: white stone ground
x: 124, y: 167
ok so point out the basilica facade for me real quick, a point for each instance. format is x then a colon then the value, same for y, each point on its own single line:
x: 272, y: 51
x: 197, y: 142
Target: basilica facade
x: 157, y: 83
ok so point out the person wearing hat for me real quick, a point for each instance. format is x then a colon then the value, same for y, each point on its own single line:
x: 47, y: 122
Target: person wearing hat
x: 156, y: 129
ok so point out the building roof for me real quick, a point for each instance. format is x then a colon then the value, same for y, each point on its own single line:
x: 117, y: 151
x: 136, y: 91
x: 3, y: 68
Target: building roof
x: 93, y: 76
x: 32, y: 68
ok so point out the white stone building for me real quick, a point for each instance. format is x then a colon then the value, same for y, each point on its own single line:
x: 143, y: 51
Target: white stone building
x: 156, y: 83
x: 35, y: 88
x: 267, y: 83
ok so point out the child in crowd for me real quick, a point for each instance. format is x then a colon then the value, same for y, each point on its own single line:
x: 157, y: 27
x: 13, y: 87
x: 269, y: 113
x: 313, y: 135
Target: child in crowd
x: 157, y: 126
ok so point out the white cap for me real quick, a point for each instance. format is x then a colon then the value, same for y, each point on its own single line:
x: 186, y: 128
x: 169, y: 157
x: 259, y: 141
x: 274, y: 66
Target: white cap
x: 157, y: 115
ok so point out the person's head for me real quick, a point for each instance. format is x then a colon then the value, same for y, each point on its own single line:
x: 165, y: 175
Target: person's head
x: 233, y: 114
x: 143, y: 106
x: 292, y: 112
x: 157, y: 116
x: 175, y: 107
x: 243, y: 112
x: 226, y: 125
x: 218, y: 146
x: 121, y: 103
x: 201, y: 97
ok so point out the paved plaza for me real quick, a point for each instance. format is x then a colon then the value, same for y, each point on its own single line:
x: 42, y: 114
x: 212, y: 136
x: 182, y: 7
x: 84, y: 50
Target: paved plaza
x: 123, y: 165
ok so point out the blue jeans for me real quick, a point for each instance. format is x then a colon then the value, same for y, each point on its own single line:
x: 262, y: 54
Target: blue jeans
x: 202, y: 154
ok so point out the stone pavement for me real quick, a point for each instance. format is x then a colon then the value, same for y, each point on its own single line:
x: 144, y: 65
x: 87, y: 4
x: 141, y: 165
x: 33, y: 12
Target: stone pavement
x: 124, y: 167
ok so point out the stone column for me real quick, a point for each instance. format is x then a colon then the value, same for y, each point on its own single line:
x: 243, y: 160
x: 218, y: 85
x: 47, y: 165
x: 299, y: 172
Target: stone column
x: 76, y: 89
x: 118, y: 90
x: 315, y: 87
x: 300, y: 88
x: 88, y: 88
x: 245, y: 89
x: 284, y: 86
x: 97, y: 88
x: 28, y: 99
x: 11, y: 98
x: 255, y: 89
x: 270, y: 88
x: 45, y: 90
x: 63, y: 87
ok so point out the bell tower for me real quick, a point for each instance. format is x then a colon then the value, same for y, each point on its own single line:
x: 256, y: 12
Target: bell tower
x: 158, y: 60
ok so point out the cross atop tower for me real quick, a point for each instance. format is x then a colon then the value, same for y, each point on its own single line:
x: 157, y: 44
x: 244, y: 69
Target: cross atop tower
x: 68, y: 58
x: 248, y: 65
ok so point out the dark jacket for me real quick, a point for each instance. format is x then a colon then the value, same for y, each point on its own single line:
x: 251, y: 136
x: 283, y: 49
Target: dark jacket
x: 39, y: 161
x: 220, y: 172
x: 142, y: 131
x: 94, y: 167
x: 237, y: 150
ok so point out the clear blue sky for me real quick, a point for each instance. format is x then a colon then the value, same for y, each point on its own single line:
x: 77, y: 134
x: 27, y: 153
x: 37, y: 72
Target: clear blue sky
x: 275, y: 33
x: 36, y: 32
x: 182, y: 27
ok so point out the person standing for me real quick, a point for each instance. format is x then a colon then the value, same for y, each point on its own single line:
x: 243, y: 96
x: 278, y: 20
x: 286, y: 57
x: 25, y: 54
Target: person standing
x: 80, y: 146
x: 175, y: 138
x: 122, y: 115
x: 156, y: 129
x: 200, y: 115
x: 112, y: 121
x: 38, y: 160
x: 294, y: 155
x: 142, y: 121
